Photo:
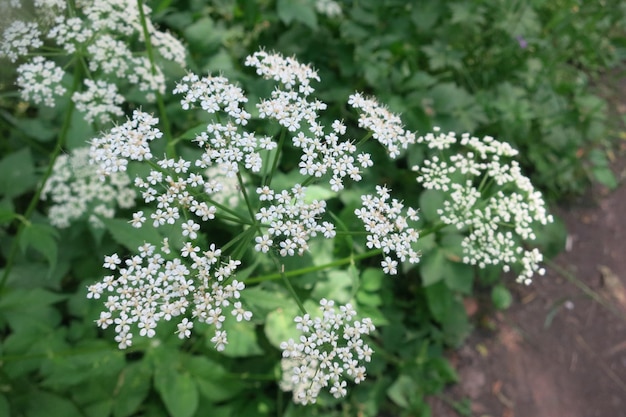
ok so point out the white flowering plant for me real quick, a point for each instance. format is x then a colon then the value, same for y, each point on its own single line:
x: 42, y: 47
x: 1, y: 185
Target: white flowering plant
x: 247, y: 242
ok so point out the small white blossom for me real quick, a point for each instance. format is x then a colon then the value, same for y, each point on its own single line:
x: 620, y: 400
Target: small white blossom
x: 328, y: 353
x: 497, y: 204
x: 40, y: 81
x: 19, y: 38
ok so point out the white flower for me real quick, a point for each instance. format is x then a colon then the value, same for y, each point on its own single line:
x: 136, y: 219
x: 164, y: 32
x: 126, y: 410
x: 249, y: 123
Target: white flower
x: 329, y: 352
x: 190, y: 228
x: 18, y: 38
x: 184, y: 328
x: 99, y: 101
x: 388, y: 228
x: 40, y: 81
x: 497, y: 204
x: 389, y: 266
x: 75, y: 189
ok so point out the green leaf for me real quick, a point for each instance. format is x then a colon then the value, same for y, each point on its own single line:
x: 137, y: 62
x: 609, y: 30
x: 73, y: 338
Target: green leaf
x: 177, y: 390
x: 430, y: 202
x: 439, y: 299
x: 4, y: 406
x: 45, y: 404
x: 211, y: 379
x: 605, y: 176
x: 241, y: 339
x: 317, y: 192
x: 459, y: 277
x: 501, y: 297
x: 297, y: 10
x: 7, y: 215
x: 17, y: 173
x: 22, y: 301
x: 132, y: 389
x: 42, y: 238
x: 128, y: 236
x: 203, y: 35
x: 262, y: 299
x: 369, y: 299
x: 402, y: 391
x: 279, y: 324
x: 336, y: 286
x: 372, y: 279
x: 432, y: 267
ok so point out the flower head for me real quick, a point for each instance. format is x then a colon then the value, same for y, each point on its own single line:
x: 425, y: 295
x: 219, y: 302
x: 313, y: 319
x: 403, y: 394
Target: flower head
x: 329, y: 352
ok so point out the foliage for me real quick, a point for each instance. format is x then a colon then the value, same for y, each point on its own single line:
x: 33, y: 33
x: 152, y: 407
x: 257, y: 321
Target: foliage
x: 519, y: 71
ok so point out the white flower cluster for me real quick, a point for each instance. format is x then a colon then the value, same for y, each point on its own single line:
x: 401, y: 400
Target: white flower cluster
x: 213, y: 94
x: 289, y: 106
x: 290, y: 221
x: 187, y: 192
x: 99, y: 101
x: 329, y: 8
x: 99, y: 31
x: 388, y: 228
x: 386, y: 126
x: 496, y: 204
x: 40, y: 81
x: 18, y: 39
x: 70, y: 33
x: 128, y: 141
x: 75, y: 189
x: 148, y: 288
x: 329, y: 352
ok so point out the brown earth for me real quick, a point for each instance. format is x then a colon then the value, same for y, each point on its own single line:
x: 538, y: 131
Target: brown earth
x: 560, y: 350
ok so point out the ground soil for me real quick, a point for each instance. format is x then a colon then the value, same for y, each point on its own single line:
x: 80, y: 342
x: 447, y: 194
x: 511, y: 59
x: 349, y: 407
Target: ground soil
x: 560, y: 350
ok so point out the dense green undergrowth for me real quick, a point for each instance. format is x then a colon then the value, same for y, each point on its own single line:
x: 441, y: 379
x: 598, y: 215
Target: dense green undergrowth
x: 519, y: 71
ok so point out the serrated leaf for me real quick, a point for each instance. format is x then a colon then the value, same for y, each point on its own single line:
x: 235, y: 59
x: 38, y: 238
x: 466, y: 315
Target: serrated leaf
x: 128, y: 236
x: 439, y: 299
x: 402, y: 390
x: 430, y: 201
x: 297, y: 10
x: 45, y: 404
x: 17, y: 173
x: 280, y: 327
x: 459, y: 277
x: 4, y: 406
x: 372, y: 279
x: 501, y: 297
x: 241, y: 339
x: 336, y: 286
x: 7, y: 215
x: 177, y: 390
x: 432, y: 267
x: 257, y: 297
x: 132, y: 389
x: 211, y: 379
x: 42, y: 238
x: 605, y: 176
x: 317, y: 192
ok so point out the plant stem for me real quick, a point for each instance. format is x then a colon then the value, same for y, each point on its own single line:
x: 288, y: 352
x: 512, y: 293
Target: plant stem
x: 58, y: 147
x: 281, y: 142
x: 290, y: 288
x: 170, y: 150
x: 309, y: 269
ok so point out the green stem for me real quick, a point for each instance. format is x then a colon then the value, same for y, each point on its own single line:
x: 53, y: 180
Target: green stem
x: 309, y: 269
x: 364, y: 139
x: 245, y: 196
x: 169, y: 150
x: 290, y: 287
x: 35, y: 199
x: 281, y: 142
